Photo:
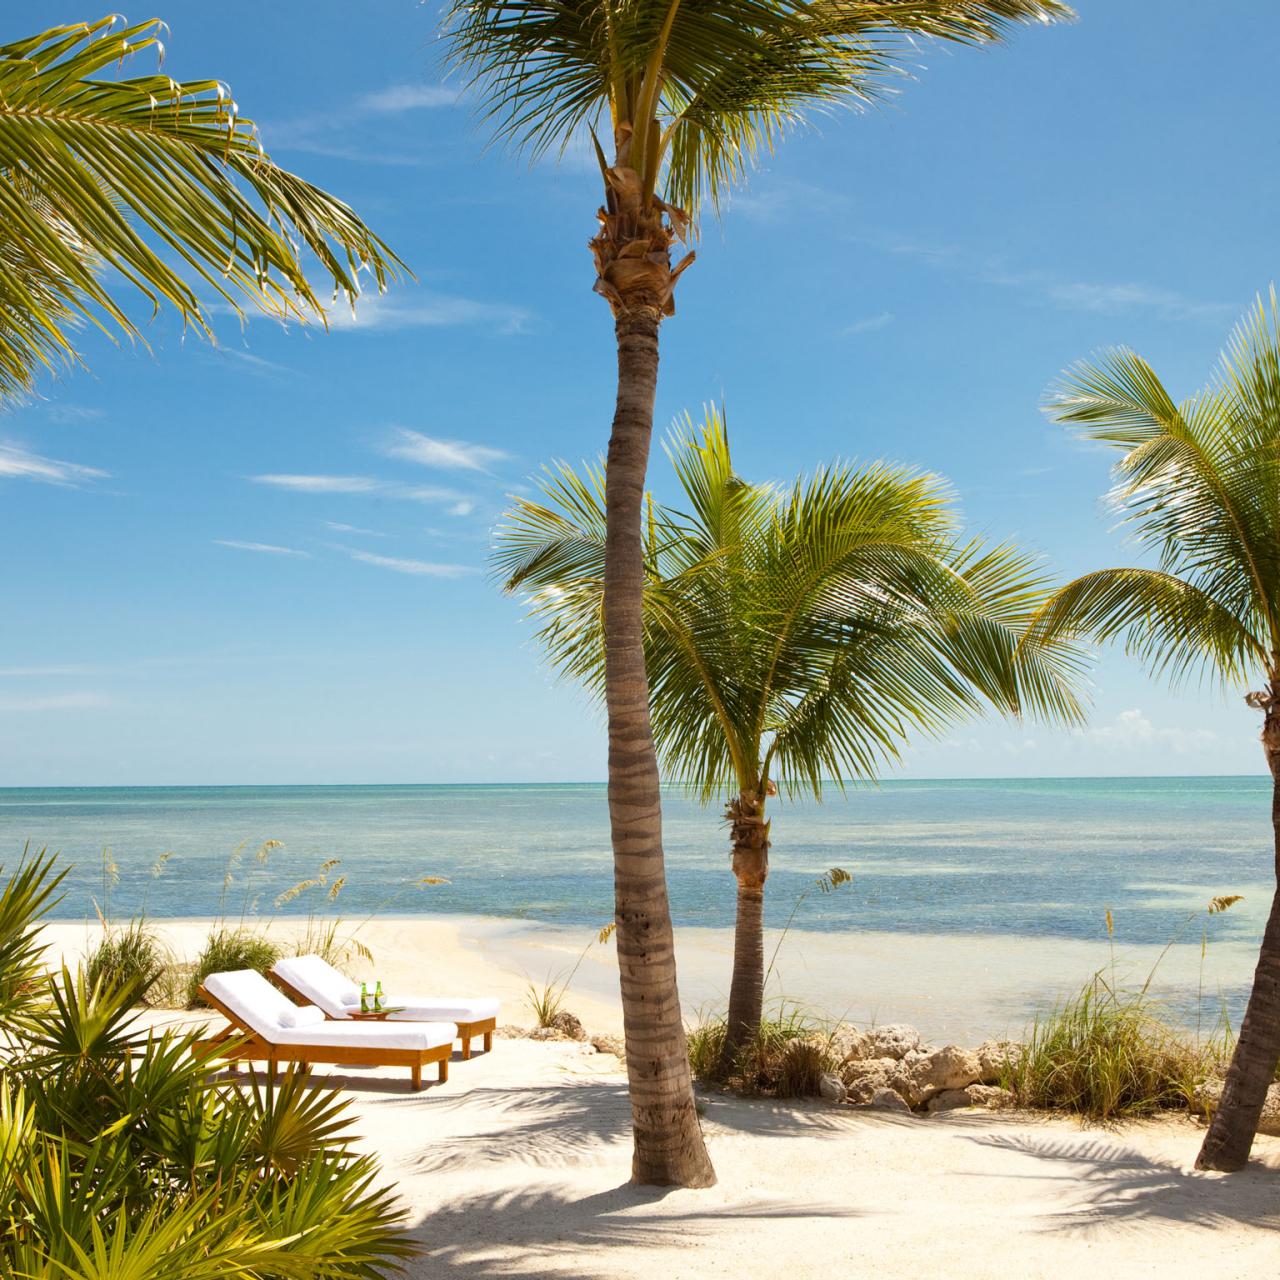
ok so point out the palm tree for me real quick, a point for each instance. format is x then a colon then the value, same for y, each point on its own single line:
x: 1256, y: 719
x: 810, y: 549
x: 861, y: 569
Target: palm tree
x: 1199, y: 482
x: 693, y: 91
x: 161, y: 185
x: 794, y: 637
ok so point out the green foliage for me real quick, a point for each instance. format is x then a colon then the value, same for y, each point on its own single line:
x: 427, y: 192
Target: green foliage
x: 126, y: 955
x: 796, y: 634
x: 694, y: 95
x: 1196, y: 484
x: 786, y: 1058
x: 120, y: 1158
x: 160, y: 185
x: 228, y: 949
x: 1107, y: 1054
x: 26, y: 895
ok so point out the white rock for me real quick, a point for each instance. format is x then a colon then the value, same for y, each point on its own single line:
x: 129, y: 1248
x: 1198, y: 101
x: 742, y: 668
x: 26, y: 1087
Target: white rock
x: 894, y: 1040
x: 950, y: 1067
x: 888, y: 1100
x: 994, y: 1056
x: 830, y: 1088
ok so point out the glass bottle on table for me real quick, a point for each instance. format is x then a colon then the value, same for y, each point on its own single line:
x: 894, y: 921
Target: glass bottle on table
x: 377, y: 997
x: 364, y: 997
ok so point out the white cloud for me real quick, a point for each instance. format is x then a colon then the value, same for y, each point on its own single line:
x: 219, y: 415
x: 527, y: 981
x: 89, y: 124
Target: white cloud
x: 255, y: 364
x: 319, y: 484
x: 17, y: 463
x: 352, y: 528
x: 408, y: 97
x: 26, y: 673
x: 449, y: 455
x: 869, y: 324
x: 266, y: 548
x: 56, y: 702
x: 463, y: 508
x: 419, y: 568
x: 69, y: 413
x: 410, y: 310
x: 1131, y: 731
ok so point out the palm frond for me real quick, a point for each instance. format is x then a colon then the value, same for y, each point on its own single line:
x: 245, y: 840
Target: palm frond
x: 161, y: 184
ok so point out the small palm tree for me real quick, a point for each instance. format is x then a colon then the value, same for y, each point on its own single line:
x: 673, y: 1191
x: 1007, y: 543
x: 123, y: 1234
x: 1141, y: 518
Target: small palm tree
x: 794, y: 637
x: 1199, y: 483
x: 686, y: 94
x: 162, y: 185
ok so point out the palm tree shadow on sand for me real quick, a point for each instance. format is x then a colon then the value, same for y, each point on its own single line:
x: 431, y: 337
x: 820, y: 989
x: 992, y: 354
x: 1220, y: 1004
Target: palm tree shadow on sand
x: 542, y: 1231
x: 1119, y: 1185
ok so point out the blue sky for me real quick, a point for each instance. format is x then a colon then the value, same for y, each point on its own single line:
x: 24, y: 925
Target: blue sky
x: 266, y: 563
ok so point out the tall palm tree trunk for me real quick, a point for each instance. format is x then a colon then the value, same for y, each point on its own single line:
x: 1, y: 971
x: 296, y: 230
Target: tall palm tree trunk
x: 1253, y: 1065
x: 669, y: 1149
x: 749, y: 834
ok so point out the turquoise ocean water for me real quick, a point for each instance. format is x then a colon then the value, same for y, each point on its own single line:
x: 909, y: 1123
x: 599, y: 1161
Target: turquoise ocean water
x: 1022, y: 858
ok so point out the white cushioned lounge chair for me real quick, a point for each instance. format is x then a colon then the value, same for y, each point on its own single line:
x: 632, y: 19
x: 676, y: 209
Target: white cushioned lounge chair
x: 315, y: 981
x: 265, y: 1026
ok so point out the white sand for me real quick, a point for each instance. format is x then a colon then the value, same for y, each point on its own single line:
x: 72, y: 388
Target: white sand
x: 518, y: 1166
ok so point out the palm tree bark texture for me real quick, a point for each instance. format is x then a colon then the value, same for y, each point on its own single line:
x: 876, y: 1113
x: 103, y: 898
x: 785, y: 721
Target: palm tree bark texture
x: 749, y: 836
x: 634, y: 273
x: 1253, y: 1066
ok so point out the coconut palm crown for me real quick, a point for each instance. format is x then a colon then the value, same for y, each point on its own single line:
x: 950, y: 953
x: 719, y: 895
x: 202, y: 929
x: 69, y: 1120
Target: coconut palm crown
x: 158, y: 184
x: 1198, y: 485
x: 795, y: 636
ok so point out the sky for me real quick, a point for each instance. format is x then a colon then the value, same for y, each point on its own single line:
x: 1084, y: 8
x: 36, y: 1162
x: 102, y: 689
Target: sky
x: 265, y: 562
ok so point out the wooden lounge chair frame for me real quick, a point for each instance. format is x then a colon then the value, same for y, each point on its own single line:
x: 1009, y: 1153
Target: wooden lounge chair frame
x: 240, y: 1042
x: 466, y: 1030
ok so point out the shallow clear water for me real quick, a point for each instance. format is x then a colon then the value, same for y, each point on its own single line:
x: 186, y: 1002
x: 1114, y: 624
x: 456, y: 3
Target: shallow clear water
x: 1022, y: 858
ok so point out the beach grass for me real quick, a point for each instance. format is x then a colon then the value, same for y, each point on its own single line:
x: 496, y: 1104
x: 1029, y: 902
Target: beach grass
x: 228, y: 949
x: 787, y: 1057
x: 128, y: 955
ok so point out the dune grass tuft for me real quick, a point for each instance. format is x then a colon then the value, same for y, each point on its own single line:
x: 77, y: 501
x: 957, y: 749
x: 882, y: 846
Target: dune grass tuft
x: 786, y: 1059
x: 1107, y: 1054
x: 128, y: 953
x: 228, y: 949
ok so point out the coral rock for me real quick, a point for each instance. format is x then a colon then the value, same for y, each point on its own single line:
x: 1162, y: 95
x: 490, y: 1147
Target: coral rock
x: 895, y: 1040
x: 830, y: 1088
x: 950, y: 1067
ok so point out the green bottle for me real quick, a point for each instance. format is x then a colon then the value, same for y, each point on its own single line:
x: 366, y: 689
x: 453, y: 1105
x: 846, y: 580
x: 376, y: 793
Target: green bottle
x: 377, y: 997
x: 364, y: 998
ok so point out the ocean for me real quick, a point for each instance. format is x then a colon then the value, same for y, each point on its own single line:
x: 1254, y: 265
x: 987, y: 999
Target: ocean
x: 1022, y: 858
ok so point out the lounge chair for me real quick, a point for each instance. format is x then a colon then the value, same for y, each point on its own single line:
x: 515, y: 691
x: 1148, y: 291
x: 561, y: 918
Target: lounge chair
x: 313, y: 980
x: 267, y: 1026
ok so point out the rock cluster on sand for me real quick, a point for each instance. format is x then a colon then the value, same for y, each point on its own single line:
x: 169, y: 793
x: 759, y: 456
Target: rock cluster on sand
x: 1209, y: 1094
x: 892, y: 1060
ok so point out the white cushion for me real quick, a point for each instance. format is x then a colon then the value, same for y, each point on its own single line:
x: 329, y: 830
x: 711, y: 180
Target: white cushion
x: 339, y: 997
x: 319, y: 982
x: 440, y: 1008
x: 263, y: 1009
x: 306, y: 1016
x: 252, y: 999
x: 370, y: 1035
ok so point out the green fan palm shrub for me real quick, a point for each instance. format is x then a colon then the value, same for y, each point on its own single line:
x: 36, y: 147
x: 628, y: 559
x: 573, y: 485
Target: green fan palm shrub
x: 120, y: 1158
x: 1199, y: 485
x: 794, y: 636
x: 686, y: 97
x: 154, y: 184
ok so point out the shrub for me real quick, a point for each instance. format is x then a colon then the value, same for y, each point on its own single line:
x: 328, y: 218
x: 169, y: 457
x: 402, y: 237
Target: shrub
x: 122, y: 1157
x: 787, y: 1058
x: 125, y: 955
x: 1106, y: 1054
x: 231, y: 949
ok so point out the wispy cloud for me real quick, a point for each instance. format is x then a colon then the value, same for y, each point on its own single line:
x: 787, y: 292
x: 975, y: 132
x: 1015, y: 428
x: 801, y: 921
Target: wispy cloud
x: 1099, y: 297
x: 266, y: 548
x: 396, y: 98
x: 18, y: 463
x: 319, y: 484
x: 56, y: 702
x: 1132, y: 731
x: 418, y: 568
x: 352, y: 528
x: 27, y: 673
x: 65, y: 414
x: 418, y: 310
x: 773, y: 200
x: 869, y: 324
x: 449, y: 455
x: 254, y: 364
x: 463, y: 508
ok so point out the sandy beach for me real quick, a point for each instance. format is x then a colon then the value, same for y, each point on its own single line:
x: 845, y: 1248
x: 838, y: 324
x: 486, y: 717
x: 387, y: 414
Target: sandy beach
x: 518, y: 1166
